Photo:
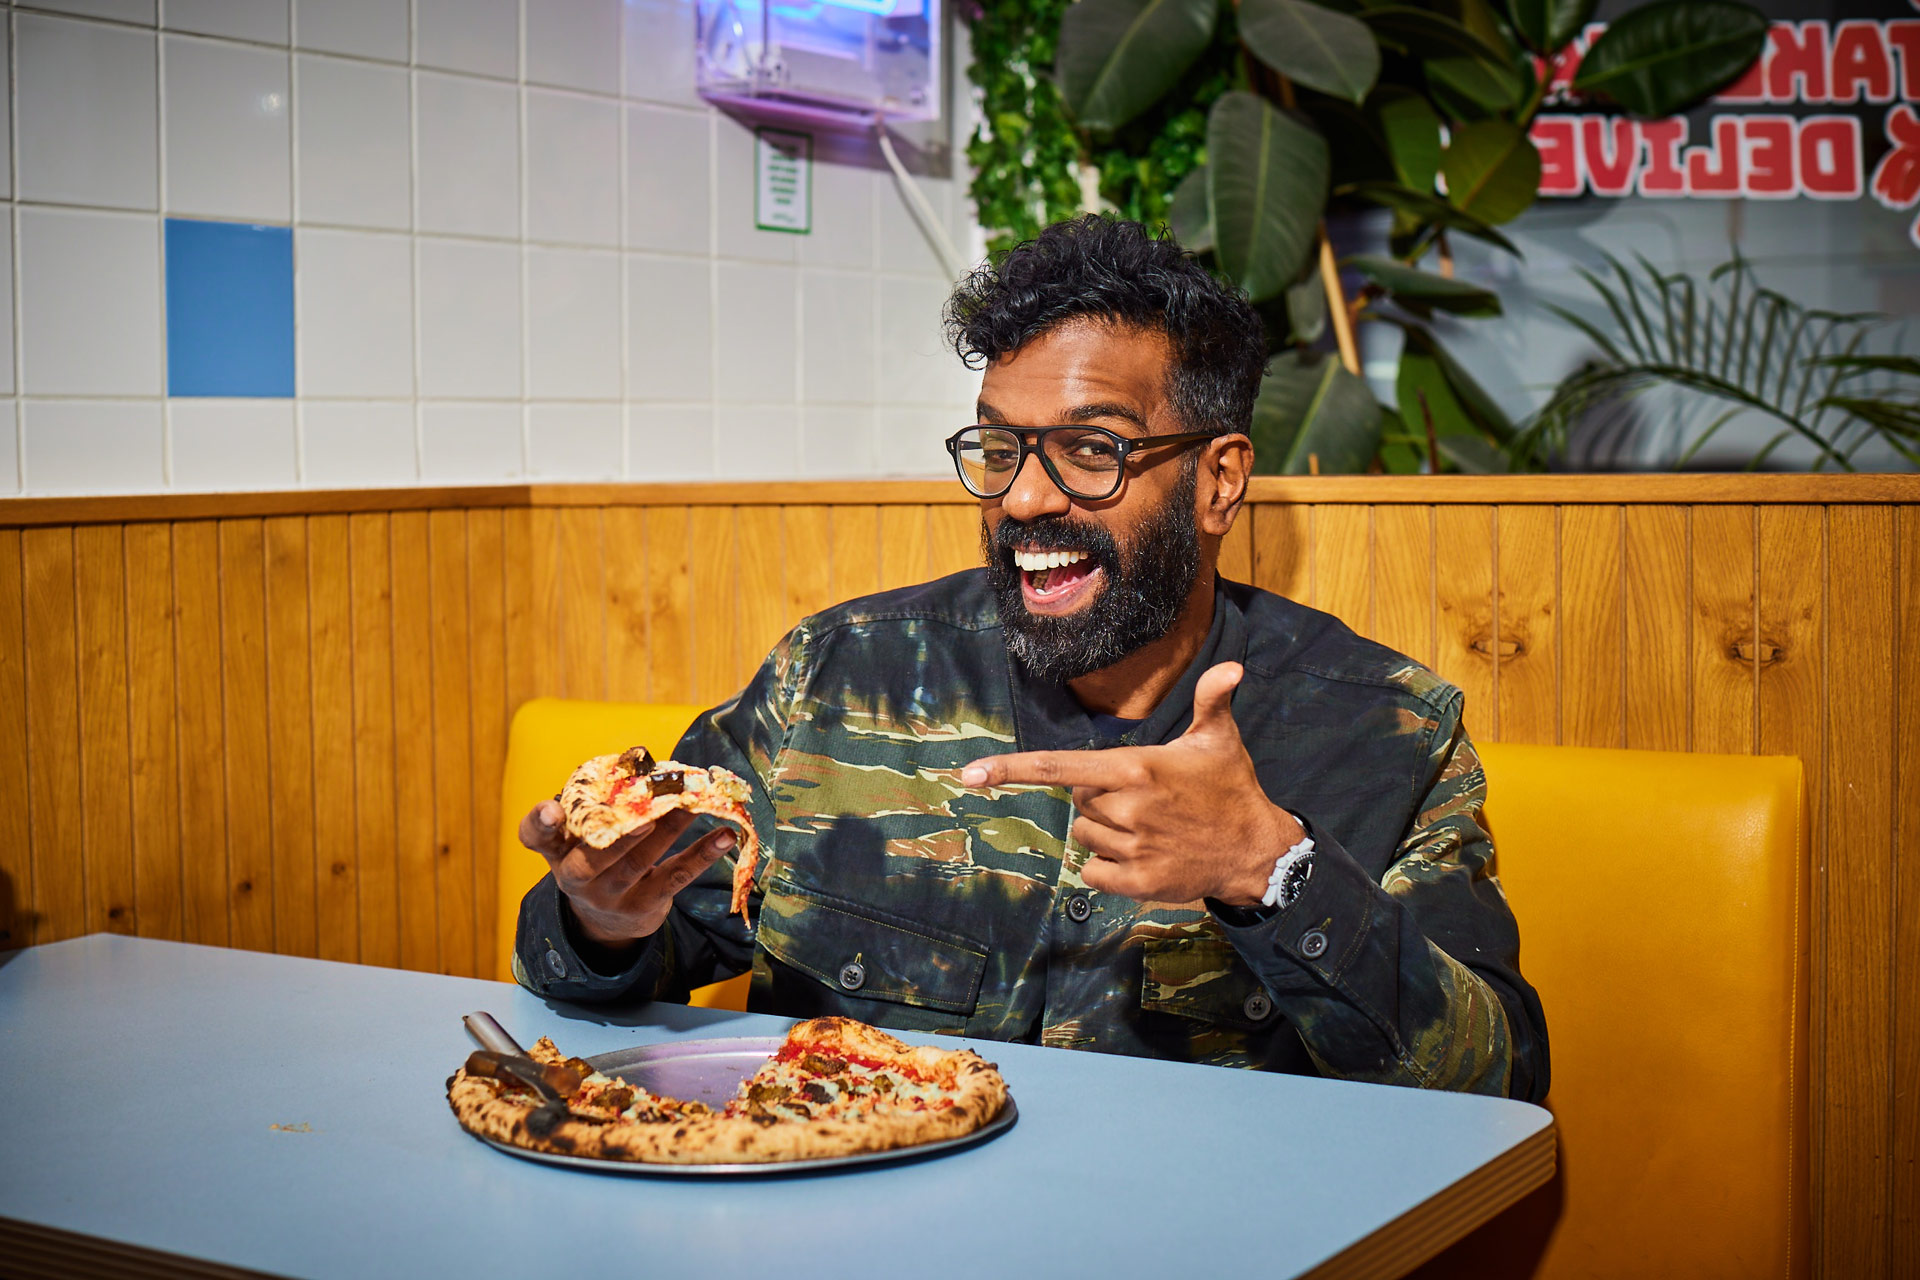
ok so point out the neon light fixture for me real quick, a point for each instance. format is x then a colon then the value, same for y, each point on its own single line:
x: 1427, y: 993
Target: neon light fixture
x: 837, y: 63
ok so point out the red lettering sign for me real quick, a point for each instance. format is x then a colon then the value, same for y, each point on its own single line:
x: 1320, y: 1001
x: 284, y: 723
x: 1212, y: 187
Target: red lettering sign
x: 1769, y: 157
x: 1830, y: 157
x: 1860, y: 64
x: 1663, y: 175
x: 1557, y: 142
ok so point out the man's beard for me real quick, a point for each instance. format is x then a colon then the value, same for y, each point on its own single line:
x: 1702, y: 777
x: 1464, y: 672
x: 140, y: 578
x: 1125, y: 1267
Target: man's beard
x: 1147, y: 584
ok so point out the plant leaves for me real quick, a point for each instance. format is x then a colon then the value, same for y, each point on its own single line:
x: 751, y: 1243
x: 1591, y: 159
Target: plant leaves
x: 1548, y: 26
x: 1117, y: 57
x: 1662, y: 57
x: 1484, y: 84
x: 1190, y: 215
x: 1427, y: 34
x: 1871, y: 364
x: 1307, y: 308
x: 1472, y: 455
x: 1267, y: 183
x: 1428, y: 208
x: 1310, y: 405
x: 1493, y: 171
x: 1314, y: 46
x: 1460, y: 405
x: 1412, y: 132
x: 1457, y: 296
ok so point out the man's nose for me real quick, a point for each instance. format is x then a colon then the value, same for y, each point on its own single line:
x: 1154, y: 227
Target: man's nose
x: 1034, y: 493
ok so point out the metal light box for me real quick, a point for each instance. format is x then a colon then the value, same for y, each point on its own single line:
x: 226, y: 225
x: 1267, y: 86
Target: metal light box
x: 832, y: 63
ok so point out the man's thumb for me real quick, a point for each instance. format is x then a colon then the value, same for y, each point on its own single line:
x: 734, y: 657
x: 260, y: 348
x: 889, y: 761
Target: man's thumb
x: 1213, y: 699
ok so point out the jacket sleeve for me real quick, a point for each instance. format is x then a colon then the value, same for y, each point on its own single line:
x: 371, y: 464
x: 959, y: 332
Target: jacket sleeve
x: 701, y: 942
x: 1412, y: 979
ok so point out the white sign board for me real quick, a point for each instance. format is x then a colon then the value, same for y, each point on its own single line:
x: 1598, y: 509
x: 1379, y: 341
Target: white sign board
x: 783, y: 181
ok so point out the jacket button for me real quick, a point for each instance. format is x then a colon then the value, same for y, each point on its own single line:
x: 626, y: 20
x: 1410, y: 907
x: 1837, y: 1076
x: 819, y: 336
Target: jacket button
x: 1258, y: 1006
x: 555, y: 965
x: 1313, y: 944
x: 853, y: 975
x: 1078, y: 908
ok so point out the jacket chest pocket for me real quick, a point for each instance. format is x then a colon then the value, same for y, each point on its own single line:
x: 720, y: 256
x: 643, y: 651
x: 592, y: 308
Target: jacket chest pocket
x: 1203, y: 978
x: 859, y: 954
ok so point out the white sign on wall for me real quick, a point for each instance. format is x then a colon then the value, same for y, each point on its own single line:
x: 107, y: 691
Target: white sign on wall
x: 783, y: 181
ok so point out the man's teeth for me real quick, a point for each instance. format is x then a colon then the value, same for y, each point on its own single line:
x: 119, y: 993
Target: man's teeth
x: 1036, y: 560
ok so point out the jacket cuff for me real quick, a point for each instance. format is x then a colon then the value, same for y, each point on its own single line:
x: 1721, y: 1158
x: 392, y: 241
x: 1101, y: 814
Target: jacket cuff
x: 1310, y: 944
x: 548, y: 959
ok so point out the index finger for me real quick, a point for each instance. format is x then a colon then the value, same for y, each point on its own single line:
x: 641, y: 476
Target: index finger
x: 1106, y: 770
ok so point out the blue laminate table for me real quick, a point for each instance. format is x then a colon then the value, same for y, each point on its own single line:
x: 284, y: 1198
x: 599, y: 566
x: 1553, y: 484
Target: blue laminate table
x: 175, y: 1109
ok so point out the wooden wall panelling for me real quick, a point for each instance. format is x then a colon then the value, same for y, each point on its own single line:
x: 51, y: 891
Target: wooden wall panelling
x: 100, y: 580
x: 453, y: 834
x: 855, y: 559
x: 807, y: 541
x: 716, y: 617
x: 201, y: 745
x: 330, y: 613
x: 1658, y: 635
x: 629, y: 565
x: 1343, y: 563
x: 243, y: 671
x: 53, y: 736
x: 290, y: 737
x: 413, y: 735
x: 1725, y: 644
x: 583, y: 603
x: 953, y: 538
x: 903, y: 546
x: 154, y: 777
x: 669, y: 605
x: 16, y: 836
x: 1463, y: 549
x: 1854, y: 1206
x: 1527, y: 639
x: 1592, y: 628
x: 1905, y: 1224
x: 1236, y: 549
x: 1282, y: 550
x: 487, y: 698
x: 370, y: 554
x: 531, y: 567
x: 765, y: 613
x: 1403, y: 580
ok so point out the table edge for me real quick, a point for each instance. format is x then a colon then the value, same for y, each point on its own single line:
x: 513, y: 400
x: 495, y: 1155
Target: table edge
x: 1449, y: 1215
x: 35, y: 1252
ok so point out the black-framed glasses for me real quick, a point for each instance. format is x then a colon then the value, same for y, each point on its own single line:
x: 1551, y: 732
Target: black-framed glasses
x: 1086, y: 462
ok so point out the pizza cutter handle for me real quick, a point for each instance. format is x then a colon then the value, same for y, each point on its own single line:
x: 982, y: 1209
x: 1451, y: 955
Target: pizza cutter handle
x: 491, y: 1035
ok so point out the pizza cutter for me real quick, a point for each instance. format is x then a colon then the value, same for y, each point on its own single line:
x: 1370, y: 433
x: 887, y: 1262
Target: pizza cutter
x: 501, y: 1055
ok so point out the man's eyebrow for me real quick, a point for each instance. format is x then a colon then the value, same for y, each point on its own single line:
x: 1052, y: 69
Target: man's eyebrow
x: 986, y: 413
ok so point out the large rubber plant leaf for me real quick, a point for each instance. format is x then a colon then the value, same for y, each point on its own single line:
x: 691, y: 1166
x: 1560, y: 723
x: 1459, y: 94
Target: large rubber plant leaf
x: 1313, y: 46
x: 1664, y: 56
x: 1190, y: 213
x: 1307, y: 307
x: 1412, y: 132
x: 1267, y: 179
x: 1117, y: 57
x: 1460, y: 405
x: 1426, y: 34
x: 1424, y: 287
x: 1548, y: 26
x: 1489, y: 86
x: 1493, y: 170
x: 1428, y: 208
x: 1310, y: 407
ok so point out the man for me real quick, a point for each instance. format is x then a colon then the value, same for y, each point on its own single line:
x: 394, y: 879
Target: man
x: 1090, y: 795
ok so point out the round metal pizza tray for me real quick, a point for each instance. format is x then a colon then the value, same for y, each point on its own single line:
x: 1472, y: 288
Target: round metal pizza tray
x: 710, y: 1071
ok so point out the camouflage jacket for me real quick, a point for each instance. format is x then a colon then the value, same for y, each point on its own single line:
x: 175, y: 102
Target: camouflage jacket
x: 890, y: 893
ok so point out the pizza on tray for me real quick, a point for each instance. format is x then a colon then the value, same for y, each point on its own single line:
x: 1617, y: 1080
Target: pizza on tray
x: 836, y: 1087
x: 610, y: 796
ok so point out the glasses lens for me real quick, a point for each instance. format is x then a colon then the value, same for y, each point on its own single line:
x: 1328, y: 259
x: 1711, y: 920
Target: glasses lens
x: 1087, y: 462
x: 988, y: 459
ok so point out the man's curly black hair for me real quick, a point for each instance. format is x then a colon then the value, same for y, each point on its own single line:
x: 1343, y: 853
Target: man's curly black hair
x: 1118, y: 271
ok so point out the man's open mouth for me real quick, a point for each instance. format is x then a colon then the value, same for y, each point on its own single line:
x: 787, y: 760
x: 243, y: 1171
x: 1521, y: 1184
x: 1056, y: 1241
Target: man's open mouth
x: 1053, y: 577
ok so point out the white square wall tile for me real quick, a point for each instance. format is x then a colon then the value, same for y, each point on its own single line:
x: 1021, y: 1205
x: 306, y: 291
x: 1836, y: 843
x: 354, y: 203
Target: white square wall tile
x: 574, y: 44
x: 9, y: 447
x: 354, y: 291
x: 914, y: 357
x: 229, y: 153
x: 7, y: 379
x: 843, y: 198
x: 837, y: 441
x: 88, y: 109
x: 669, y: 160
x: 471, y: 443
x: 757, y: 336
x: 573, y: 325
x: 657, y: 50
x: 759, y: 442
x: 261, y: 21
x: 669, y: 329
x: 574, y: 441
x: 232, y: 445
x: 348, y: 446
x: 479, y: 36
x: 137, y: 11
x: 669, y: 442
x: 911, y: 442
x: 836, y: 337
x: 89, y: 302
x: 354, y: 143
x: 6, y: 110
x: 362, y: 28
x: 736, y: 234
x: 469, y: 163
x: 573, y: 169
x: 469, y: 319
x: 92, y: 446
x: 904, y: 245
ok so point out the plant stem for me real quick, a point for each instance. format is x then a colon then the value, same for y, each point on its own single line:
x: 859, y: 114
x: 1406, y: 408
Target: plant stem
x: 1337, y: 306
x: 1433, y: 441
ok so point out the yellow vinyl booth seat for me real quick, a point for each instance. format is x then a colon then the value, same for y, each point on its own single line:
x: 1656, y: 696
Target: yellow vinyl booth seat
x: 1662, y: 900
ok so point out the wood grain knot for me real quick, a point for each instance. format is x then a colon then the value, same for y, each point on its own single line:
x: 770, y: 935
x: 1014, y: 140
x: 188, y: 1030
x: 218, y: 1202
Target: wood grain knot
x: 1487, y: 646
x: 245, y: 886
x: 1764, y: 653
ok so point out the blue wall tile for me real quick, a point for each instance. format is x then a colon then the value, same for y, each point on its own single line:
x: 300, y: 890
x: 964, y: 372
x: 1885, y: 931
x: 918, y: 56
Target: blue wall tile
x: 229, y: 309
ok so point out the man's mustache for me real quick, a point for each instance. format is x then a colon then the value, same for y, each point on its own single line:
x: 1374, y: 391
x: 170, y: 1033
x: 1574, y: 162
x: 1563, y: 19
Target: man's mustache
x: 1054, y: 533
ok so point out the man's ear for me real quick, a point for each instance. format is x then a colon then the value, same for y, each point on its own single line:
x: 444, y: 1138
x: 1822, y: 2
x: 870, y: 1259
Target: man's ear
x: 1222, y: 487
